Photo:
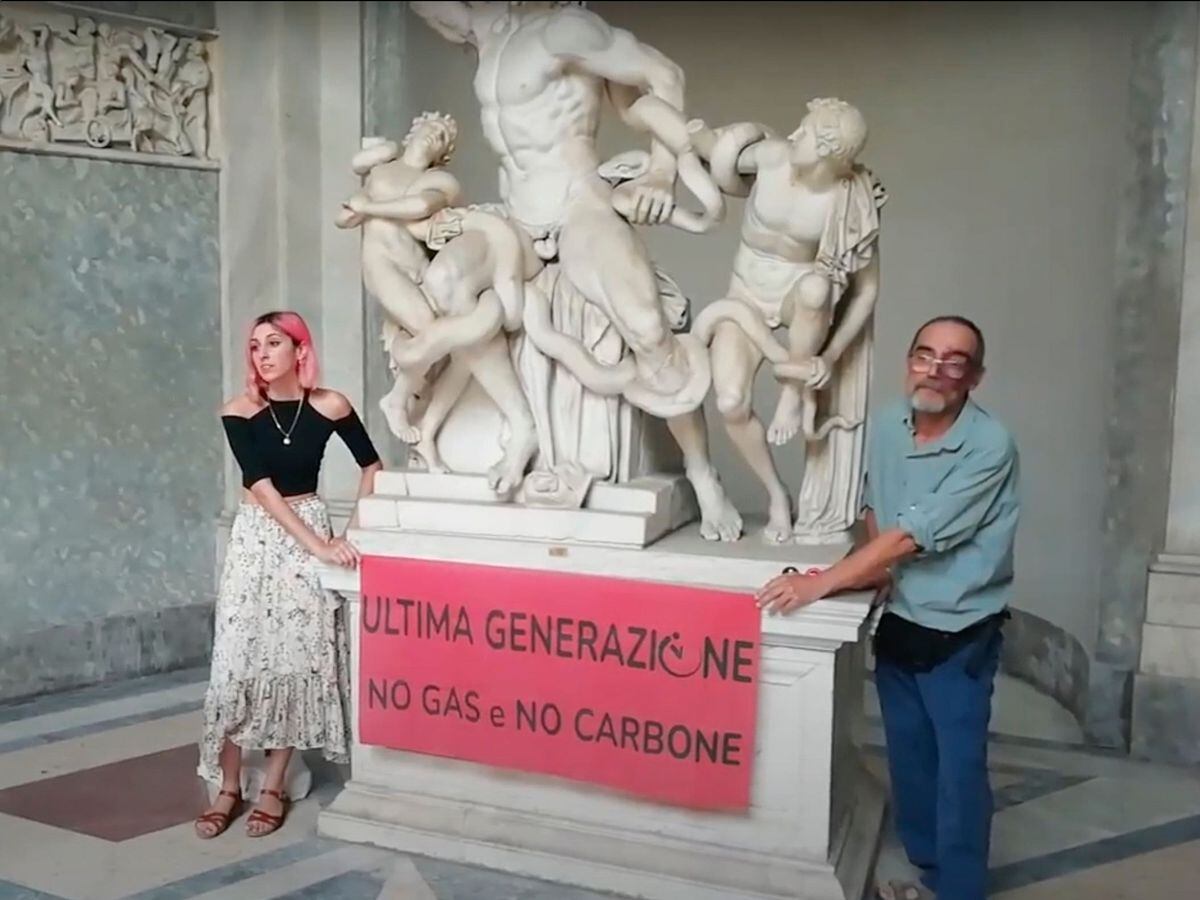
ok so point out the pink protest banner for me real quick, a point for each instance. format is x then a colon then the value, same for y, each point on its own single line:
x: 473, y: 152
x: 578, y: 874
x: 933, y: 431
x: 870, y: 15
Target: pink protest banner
x: 649, y: 689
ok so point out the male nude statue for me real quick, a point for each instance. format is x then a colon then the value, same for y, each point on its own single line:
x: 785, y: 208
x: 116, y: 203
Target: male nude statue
x: 406, y: 203
x: 808, y: 250
x: 410, y: 185
x: 542, y: 74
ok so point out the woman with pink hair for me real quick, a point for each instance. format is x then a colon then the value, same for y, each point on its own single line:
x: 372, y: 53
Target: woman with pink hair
x: 280, y: 678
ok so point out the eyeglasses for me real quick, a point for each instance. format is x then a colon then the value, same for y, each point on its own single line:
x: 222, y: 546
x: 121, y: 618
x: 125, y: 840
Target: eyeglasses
x: 956, y: 367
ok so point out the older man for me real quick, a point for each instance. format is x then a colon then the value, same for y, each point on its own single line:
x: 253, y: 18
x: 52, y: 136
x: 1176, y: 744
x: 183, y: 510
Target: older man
x: 941, y: 518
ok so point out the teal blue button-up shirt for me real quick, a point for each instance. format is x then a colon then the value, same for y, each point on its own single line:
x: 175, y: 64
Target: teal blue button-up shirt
x: 957, y: 497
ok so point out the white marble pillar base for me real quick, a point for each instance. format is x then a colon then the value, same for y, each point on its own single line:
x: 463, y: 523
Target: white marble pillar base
x: 813, y: 827
x: 1166, y: 688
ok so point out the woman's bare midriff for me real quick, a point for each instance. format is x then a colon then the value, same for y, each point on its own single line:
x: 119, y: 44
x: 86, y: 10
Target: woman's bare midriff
x: 248, y: 497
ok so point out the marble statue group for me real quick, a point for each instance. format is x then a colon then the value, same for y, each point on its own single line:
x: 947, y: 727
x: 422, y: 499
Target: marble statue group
x: 534, y: 340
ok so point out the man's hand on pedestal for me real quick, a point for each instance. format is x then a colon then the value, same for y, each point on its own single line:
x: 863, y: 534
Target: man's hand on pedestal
x: 791, y: 591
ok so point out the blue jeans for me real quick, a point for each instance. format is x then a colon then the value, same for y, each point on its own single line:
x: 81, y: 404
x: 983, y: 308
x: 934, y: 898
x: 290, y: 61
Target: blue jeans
x: 936, y: 726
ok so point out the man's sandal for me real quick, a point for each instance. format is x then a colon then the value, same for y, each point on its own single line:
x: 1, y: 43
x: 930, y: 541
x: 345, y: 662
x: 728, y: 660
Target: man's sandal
x: 903, y: 890
x: 258, y: 817
x: 217, y: 818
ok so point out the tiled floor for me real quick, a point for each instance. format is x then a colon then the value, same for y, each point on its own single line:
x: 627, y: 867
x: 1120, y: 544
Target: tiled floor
x: 97, y: 794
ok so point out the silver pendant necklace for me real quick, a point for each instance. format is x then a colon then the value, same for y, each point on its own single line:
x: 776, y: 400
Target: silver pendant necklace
x: 287, y: 435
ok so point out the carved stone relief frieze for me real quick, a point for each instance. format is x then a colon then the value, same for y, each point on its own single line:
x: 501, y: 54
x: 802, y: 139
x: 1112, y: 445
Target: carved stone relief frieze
x: 73, y: 80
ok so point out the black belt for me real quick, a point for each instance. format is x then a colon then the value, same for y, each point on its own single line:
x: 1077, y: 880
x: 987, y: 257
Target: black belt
x: 919, y: 649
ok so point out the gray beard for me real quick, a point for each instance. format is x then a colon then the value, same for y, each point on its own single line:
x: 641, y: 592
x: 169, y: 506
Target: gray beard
x: 927, y: 402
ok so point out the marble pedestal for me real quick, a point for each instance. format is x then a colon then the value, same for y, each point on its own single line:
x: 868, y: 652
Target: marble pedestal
x: 816, y: 815
x: 1165, y: 723
x: 634, y: 514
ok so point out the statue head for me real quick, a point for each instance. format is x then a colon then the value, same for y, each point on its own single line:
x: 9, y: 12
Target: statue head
x: 432, y: 137
x: 833, y: 130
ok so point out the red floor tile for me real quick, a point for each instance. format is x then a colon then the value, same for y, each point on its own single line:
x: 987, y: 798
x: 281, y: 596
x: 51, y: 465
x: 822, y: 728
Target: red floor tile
x: 118, y: 801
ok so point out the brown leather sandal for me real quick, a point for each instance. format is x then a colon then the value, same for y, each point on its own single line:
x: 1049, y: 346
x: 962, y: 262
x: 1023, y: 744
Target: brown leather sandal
x: 220, y: 819
x: 257, y: 816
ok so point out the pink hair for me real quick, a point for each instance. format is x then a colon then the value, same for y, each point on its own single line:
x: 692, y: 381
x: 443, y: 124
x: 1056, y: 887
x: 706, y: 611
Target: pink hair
x: 293, y: 325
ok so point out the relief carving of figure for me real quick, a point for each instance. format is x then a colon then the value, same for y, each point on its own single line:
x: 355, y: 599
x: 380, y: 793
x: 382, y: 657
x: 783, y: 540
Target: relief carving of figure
x: 73, y: 60
x: 39, y: 93
x: 189, y: 95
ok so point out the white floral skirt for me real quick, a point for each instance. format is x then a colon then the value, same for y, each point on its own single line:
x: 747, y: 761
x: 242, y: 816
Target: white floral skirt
x: 280, y: 663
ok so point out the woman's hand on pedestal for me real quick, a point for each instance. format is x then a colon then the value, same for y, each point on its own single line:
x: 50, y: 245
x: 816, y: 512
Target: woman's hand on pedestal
x: 340, y: 552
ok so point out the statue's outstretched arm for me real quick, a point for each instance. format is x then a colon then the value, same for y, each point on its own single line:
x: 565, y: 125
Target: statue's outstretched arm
x: 647, y: 113
x: 452, y: 20
x: 431, y: 193
x: 748, y: 136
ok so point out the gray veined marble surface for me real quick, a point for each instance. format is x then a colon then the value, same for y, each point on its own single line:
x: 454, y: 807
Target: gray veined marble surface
x: 110, y: 447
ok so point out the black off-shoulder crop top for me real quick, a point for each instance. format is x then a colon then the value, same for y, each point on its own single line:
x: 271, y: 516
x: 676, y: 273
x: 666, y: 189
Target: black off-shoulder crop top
x: 293, y: 466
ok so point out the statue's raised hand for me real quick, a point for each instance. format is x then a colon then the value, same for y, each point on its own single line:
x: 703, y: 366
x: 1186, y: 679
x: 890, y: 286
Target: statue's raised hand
x: 819, y: 376
x: 347, y: 217
x: 647, y: 200
x: 444, y: 226
x: 812, y: 373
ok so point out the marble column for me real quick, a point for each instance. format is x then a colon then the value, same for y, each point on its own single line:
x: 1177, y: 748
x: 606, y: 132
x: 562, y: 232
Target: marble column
x: 290, y: 119
x: 1166, y: 688
x: 1148, y: 268
x: 343, y: 330
x: 387, y: 108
